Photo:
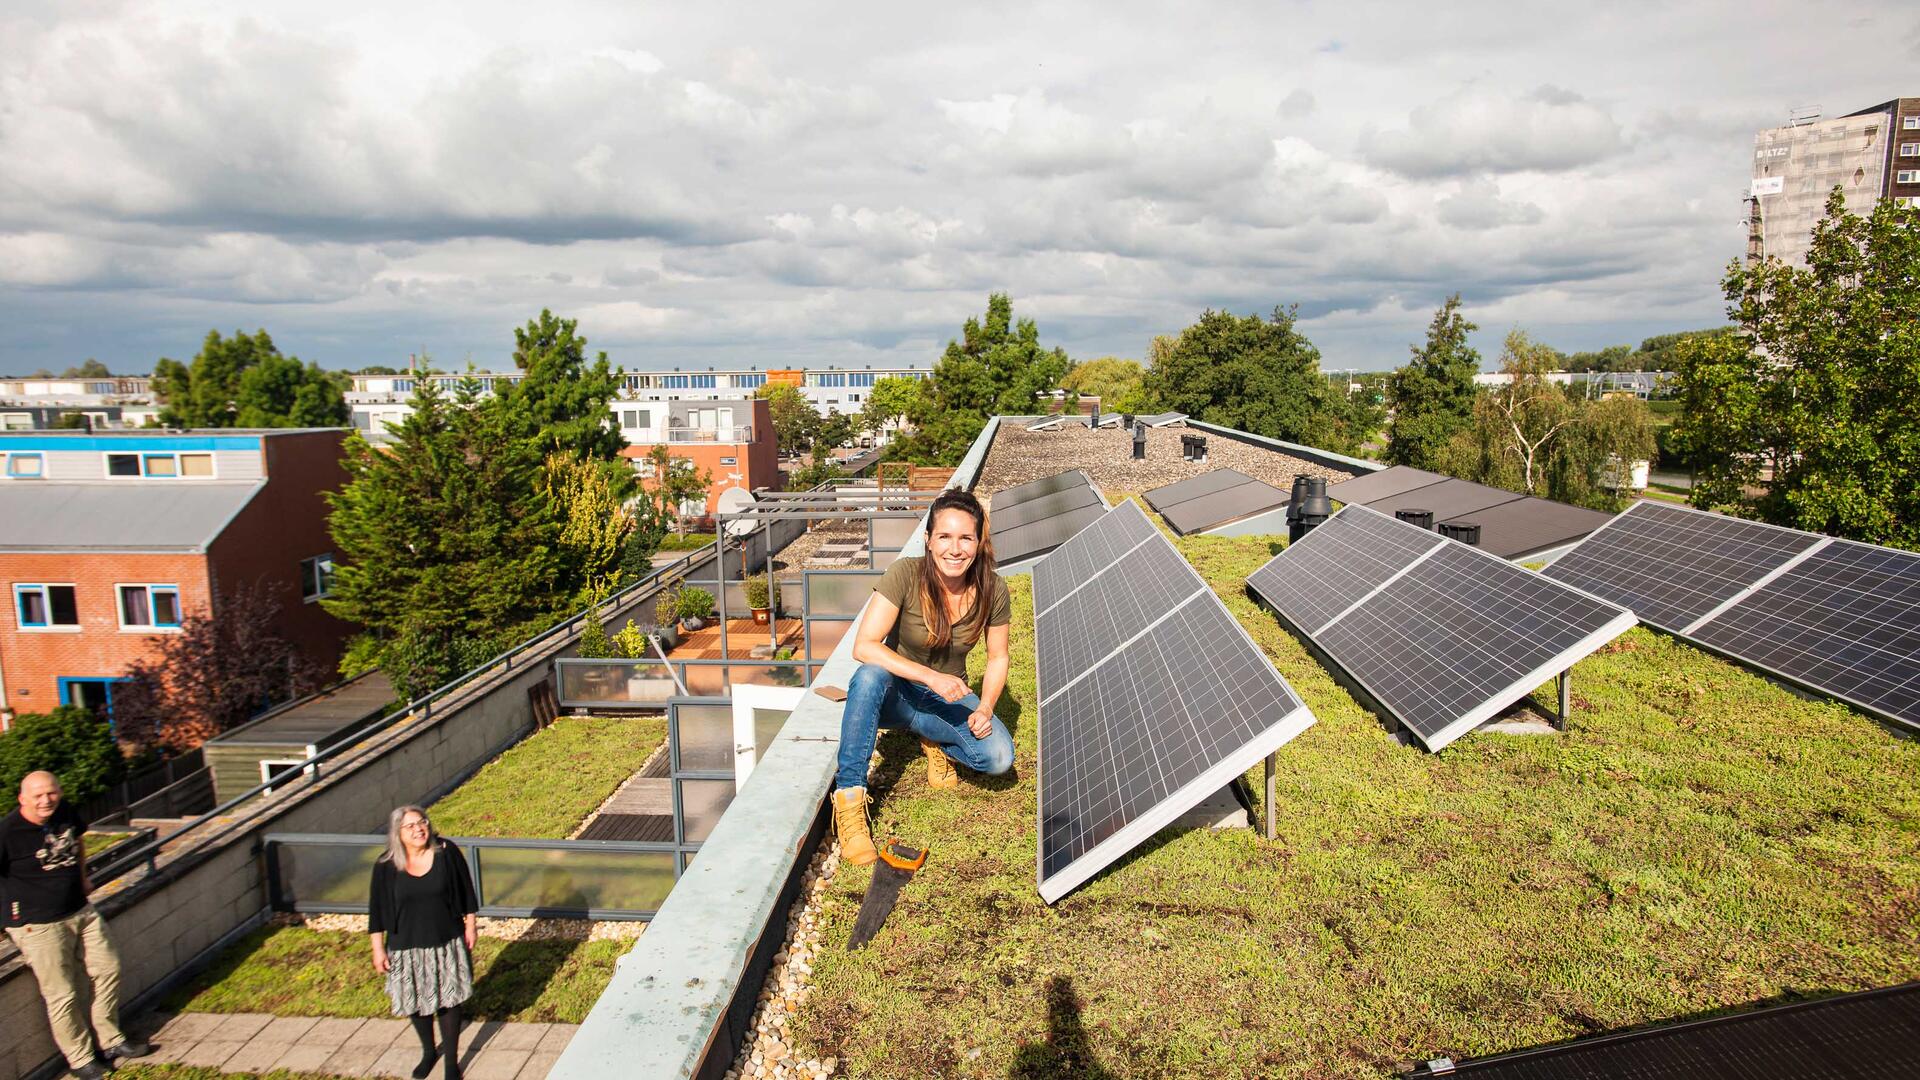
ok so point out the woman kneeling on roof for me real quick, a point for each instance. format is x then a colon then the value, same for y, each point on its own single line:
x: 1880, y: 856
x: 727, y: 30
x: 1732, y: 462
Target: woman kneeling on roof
x: 912, y: 647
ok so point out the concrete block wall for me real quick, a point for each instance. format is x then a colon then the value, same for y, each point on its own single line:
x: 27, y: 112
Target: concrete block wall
x: 169, y: 920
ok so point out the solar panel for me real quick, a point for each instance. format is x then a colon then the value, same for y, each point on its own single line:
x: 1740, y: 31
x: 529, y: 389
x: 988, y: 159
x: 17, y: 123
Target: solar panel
x: 1874, y: 1035
x: 1094, y: 548
x: 1164, y: 419
x: 1151, y: 696
x: 1040, y: 537
x: 1224, y: 507
x: 1045, y: 506
x: 1447, y: 499
x: 1193, y: 487
x: 1442, y: 636
x: 1526, y: 527
x: 1379, y: 485
x: 1674, y: 565
x: 1034, y: 489
x: 1846, y: 620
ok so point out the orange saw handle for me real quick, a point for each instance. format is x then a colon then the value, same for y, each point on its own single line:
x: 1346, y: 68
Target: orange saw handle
x: 902, y: 862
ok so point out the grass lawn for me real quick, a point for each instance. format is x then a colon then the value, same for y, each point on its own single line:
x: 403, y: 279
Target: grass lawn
x: 1699, y: 840
x: 96, y: 841
x: 546, y: 786
x: 688, y: 542
x: 294, y: 971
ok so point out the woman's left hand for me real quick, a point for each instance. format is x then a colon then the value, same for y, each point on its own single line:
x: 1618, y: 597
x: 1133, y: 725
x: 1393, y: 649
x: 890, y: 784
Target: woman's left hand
x: 471, y: 935
x: 980, y: 722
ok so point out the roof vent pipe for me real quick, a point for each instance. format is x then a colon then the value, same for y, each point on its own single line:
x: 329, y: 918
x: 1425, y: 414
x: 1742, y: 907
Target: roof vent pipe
x: 1461, y: 531
x: 1294, y: 531
x: 1316, y: 507
x: 1139, y: 442
x: 1419, y: 519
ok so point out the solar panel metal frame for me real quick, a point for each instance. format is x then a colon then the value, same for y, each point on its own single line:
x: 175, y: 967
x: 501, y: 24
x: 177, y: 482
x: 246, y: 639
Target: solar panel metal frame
x: 1193, y: 487
x: 1045, y: 506
x: 1766, y: 584
x: 1383, y: 484
x: 1042, y: 537
x: 1164, y: 419
x: 1224, y: 507
x: 1810, y: 1038
x: 1494, y: 699
x: 1126, y: 520
x: 1035, y: 489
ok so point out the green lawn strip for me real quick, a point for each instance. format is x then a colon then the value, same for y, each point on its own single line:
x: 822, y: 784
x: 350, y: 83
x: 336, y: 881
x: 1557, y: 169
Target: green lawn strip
x: 1698, y: 840
x: 688, y: 542
x: 543, y: 788
x: 96, y: 842
x: 294, y: 971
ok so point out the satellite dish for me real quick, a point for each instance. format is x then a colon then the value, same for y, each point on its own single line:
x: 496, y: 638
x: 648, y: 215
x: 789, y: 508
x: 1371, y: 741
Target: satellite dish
x: 732, y: 501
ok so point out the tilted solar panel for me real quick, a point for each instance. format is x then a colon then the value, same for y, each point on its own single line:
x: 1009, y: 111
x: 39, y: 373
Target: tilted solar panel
x: 1045, y: 506
x: 1367, y: 487
x: 1442, y: 636
x: 1874, y: 1035
x: 1526, y: 527
x: 1034, y: 489
x: 1193, y: 487
x: 1092, y: 549
x: 1040, y: 537
x: 1224, y: 507
x: 1672, y: 565
x: 1151, y: 696
x: 1846, y: 620
x: 1447, y: 499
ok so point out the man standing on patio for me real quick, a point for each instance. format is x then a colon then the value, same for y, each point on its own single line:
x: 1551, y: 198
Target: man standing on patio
x: 43, y: 896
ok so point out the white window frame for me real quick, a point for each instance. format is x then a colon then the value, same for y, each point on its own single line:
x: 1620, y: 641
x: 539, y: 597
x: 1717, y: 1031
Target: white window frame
x: 1907, y: 176
x: 1910, y: 149
x: 1910, y: 123
x: 296, y: 768
x: 16, y: 421
x: 46, y: 600
x: 153, y: 625
x: 23, y: 455
x: 325, y: 587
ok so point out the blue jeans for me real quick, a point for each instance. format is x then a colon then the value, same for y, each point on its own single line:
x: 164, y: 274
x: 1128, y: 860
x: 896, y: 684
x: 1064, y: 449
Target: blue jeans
x: 878, y: 698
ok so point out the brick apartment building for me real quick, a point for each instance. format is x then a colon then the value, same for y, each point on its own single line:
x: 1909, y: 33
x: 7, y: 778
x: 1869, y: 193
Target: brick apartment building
x: 109, y: 540
x: 732, y: 440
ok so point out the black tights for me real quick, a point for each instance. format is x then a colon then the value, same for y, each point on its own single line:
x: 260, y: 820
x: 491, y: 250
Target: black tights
x: 449, y: 1042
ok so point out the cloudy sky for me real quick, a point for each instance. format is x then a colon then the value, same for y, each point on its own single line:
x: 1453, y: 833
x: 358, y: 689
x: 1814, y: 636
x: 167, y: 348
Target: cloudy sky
x: 794, y: 183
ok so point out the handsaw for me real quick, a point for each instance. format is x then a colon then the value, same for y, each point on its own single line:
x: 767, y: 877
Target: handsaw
x: 898, y: 863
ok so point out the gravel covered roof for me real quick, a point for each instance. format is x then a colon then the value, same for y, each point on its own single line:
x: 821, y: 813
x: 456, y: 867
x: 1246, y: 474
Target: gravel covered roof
x: 1018, y: 455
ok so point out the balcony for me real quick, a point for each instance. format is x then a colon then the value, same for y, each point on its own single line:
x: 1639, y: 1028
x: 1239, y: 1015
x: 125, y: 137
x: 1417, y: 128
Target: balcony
x: 724, y: 433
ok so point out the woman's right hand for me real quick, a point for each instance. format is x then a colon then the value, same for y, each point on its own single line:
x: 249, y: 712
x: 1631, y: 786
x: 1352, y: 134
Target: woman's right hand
x: 950, y: 688
x: 380, y: 961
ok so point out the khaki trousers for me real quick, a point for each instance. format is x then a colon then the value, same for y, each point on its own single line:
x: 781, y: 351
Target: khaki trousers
x: 65, y: 956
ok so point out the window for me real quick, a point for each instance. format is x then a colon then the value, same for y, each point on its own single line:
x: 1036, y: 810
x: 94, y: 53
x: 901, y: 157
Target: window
x: 316, y: 577
x: 160, y: 465
x: 123, y: 464
x: 860, y: 378
x: 89, y: 693
x: 45, y: 607
x: 673, y: 382
x: 196, y: 464
x: 1910, y: 123
x: 1907, y: 176
x: 149, y: 607
x: 749, y: 381
x: 26, y: 465
x: 729, y: 461
x: 1910, y: 149
x: 636, y: 418
x: 703, y: 382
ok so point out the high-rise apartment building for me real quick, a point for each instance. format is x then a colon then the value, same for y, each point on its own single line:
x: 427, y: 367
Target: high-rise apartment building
x: 1870, y: 155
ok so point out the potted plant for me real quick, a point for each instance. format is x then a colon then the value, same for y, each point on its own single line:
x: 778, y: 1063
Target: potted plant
x: 696, y: 607
x: 666, y: 611
x: 759, y: 600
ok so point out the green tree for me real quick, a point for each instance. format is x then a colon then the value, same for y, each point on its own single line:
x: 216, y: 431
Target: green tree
x: 896, y: 398
x: 449, y: 546
x: 563, y: 400
x: 244, y: 381
x: 88, y: 369
x: 997, y: 366
x: 71, y: 743
x: 1109, y: 378
x: 595, y: 522
x: 1807, y: 416
x: 1258, y: 375
x: 1433, y: 395
x: 835, y: 428
x: 794, y: 417
x: 377, y: 369
x: 674, y: 483
x: 1596, y: 464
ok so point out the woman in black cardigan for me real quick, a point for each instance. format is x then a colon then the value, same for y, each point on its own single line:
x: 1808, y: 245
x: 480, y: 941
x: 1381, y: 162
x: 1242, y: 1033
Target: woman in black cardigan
x: 421, y: 911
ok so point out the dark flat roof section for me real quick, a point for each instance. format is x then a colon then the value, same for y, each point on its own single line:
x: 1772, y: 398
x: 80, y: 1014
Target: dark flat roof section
x: 1448, y: 499
x: 1366, y: 488
x: 1512, y: 525
x: 1872, y: 1034
x: 1523, y: 527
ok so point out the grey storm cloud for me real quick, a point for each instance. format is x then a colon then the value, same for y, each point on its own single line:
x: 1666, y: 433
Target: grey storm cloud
x: 806, y: 183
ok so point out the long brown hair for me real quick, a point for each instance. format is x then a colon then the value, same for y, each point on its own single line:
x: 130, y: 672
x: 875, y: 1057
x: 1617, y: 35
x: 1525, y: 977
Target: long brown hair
x: 979, y: 575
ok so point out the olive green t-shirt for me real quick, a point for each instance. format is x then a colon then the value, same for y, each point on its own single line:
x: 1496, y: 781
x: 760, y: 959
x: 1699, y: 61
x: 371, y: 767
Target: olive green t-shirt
x: 901, y: 584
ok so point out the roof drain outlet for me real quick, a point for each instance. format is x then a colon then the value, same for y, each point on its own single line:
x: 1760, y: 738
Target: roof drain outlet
x: 1316, y: 507
x: 1294, y: 531
x: 1461, y: 531
x: 1419, y: 519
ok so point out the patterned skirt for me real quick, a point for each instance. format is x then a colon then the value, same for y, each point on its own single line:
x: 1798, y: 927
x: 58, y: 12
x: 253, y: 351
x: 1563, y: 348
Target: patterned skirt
x: 421, y: 982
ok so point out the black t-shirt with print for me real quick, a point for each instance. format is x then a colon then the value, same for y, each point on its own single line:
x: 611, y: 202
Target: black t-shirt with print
x: 40, y: 867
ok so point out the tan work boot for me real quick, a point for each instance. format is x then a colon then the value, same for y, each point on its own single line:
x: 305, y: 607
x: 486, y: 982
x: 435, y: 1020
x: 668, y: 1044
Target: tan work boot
x: 940, y: 772
x: 850, y: 823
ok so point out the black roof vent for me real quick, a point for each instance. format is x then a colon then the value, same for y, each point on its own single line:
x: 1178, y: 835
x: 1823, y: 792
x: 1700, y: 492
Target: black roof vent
x: 1461, y: 531
x: 1422, y: 519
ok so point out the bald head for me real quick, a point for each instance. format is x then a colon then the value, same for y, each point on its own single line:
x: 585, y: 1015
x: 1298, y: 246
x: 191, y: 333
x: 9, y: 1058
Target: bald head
x: 39, y: 796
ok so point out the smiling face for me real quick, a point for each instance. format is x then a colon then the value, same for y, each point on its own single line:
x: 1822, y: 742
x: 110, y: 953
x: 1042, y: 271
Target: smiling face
x: 414, y: 831
x: 39, y: 796
x: 953, y: 542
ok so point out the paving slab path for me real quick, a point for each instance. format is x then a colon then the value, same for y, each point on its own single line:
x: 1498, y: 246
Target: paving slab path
x: 261, y: 1043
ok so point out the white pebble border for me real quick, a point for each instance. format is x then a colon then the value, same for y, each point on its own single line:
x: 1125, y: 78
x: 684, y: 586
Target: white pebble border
x: 767, y: 1052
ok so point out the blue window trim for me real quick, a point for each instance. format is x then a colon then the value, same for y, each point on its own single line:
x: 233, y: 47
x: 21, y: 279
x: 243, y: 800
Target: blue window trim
x: 35, y: 455
x: 66, y: 684
x: 153, y: 610
x: 132, y: 444
x: 20, y: 609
